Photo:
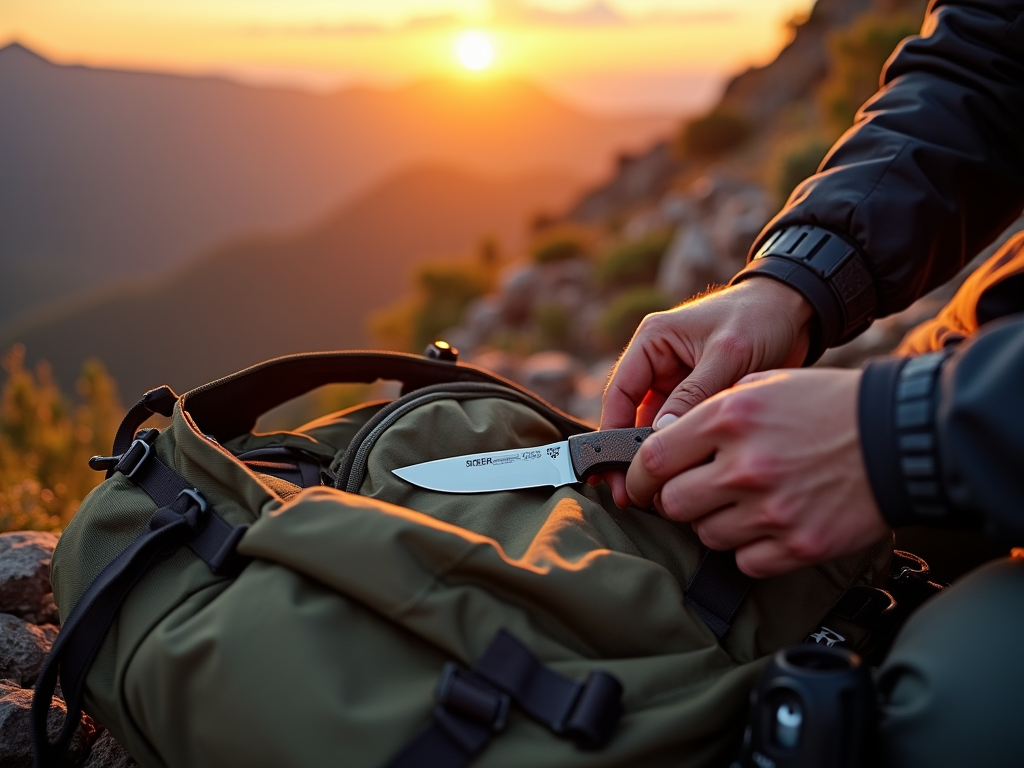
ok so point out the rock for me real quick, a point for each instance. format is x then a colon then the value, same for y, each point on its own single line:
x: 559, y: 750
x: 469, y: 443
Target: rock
x: 552, y: 375
x: 107, y: 752
x: 16, y: 729
x: 690, y: 265
x: 25, y: 575
x: 498, y: 361
x: 516, y: 288
x: 23, y: 648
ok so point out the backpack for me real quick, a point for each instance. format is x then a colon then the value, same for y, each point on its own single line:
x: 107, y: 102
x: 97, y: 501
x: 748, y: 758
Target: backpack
x: 235, y: 598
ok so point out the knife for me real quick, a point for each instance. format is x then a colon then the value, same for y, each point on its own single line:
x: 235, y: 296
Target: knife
x: 568, y: 461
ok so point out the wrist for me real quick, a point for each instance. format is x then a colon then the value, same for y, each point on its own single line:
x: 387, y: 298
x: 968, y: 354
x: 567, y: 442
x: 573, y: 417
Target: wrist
x: 778, y: 299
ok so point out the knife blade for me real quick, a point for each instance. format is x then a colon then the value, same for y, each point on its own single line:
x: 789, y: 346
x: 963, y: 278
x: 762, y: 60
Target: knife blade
x: 561, y: 463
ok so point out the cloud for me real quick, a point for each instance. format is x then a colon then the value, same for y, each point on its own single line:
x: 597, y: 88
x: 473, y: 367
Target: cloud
x: 505, y: 13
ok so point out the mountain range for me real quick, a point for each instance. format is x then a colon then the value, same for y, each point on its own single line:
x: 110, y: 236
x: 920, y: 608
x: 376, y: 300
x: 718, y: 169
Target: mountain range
x: 260, y: 296
x: 107, y: 174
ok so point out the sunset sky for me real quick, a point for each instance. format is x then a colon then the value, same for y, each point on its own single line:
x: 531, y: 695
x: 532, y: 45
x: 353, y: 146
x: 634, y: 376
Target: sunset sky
x: 664, y: 55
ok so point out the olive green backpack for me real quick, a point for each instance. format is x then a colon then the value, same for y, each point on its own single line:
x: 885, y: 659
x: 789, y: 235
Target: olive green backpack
x: 230, y: 598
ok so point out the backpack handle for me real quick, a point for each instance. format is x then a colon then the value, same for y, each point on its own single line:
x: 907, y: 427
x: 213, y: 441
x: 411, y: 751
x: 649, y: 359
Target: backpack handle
x: 230, y: 406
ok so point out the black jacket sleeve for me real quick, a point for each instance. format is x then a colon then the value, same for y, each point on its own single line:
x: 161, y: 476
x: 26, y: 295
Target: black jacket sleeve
x: 932, y: 171
x: 943, y: 434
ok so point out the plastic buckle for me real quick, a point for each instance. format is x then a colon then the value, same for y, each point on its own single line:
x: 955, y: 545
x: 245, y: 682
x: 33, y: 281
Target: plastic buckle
x: 595, y: 713
x: 196, y: 496
x: 466, y: 694
x: 126, y: 456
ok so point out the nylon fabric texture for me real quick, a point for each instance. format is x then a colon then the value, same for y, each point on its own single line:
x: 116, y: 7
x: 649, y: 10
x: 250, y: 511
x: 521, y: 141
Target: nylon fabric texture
x: 328, y: 646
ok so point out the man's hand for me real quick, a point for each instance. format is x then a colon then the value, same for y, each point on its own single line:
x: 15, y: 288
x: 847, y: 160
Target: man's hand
x: 678, y: 358
x: 771, y: 468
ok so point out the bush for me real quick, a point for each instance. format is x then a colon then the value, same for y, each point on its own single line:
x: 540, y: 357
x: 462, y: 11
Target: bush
x: 635, y: 262
x: 856, y: 58
x: 46, y: 442
x: 442, y: 292
x: 562, y: 243
x: 797, y: 164
x: 714, y: 135
x: 626, y: 312
x: 554, y: 325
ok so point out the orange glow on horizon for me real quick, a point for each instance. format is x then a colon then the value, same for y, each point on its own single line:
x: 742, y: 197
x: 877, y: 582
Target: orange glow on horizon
x: 324, y: 46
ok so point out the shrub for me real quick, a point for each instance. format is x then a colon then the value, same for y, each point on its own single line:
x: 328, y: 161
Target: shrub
x: 635, y: 262
x: 554, y: 324
x: 46, y: 442
x: 561, y: 243
x: 442, y: 292
x: 626, y: 312
x: 714, y: 135
x: 798, y: 163
x: 856, y: 58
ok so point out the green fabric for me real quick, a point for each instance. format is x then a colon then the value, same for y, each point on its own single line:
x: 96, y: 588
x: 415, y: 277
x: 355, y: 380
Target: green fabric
x: 327, y: 648
x: 951, y: 685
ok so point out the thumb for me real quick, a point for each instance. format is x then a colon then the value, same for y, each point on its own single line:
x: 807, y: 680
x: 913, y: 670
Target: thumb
x: 711, y: 375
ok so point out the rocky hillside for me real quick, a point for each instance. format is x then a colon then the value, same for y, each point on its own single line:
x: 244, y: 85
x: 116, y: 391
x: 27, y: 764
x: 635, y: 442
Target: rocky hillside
x: 679, y: 217
x: 28, y: 626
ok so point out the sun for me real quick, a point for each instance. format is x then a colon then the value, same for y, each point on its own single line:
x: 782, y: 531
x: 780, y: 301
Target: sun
x: 474, y: 50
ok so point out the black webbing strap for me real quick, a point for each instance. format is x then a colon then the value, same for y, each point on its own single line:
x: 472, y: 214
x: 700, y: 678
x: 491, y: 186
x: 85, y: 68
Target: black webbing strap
x: 182, y: 518
x: 160, y: 400
x: 716, y: 590
x: 473, y: 705
x: 82, y: 634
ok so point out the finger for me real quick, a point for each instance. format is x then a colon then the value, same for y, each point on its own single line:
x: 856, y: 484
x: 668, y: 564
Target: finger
x: 766, y: 557
x: 697, y: 492
x: 629, y: 384
x: 665, y: 454
x: 731, y: 527
x: 713, y: 373
x: 617, y: 483
x: 649, y: 408
x: 759, y: 376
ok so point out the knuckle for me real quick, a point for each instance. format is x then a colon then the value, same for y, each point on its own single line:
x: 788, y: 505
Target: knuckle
x: 778, y: 514
x: 753, y: 471
x: 734, y: 345
x: 691, y: 392
x: 805, y: 548
x: 737, y: 412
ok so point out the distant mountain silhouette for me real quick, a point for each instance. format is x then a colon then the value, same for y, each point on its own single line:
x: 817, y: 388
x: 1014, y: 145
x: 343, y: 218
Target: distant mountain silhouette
x: 259, y: 297
x: 108, y: 173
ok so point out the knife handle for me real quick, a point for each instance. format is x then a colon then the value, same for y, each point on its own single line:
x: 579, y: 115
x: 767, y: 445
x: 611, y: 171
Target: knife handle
x: 595, y: 452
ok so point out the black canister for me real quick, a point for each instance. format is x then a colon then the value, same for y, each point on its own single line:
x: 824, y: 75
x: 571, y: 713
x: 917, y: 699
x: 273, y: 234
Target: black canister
x: 812, y: 708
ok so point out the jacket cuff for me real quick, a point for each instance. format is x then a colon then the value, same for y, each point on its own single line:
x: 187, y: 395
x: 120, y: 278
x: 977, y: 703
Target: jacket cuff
x: 827, y: 271
x: 896, y: 416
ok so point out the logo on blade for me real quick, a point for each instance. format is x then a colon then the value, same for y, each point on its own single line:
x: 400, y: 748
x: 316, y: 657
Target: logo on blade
x: 553, y: 451
x: 829, y: 636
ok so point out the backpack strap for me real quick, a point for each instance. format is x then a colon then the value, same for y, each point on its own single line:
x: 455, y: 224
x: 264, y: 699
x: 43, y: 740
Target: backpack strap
x: 473, y: 706
x: 716, y: 590
x: 182, y: 518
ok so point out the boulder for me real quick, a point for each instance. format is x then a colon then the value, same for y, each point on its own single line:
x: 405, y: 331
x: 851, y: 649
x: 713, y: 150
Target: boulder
x: 16, y: 729
x: 107, y: 752
x: 23, y: 648
x: 690, y: 265
x: 552, y: 375
x: 25, y: 575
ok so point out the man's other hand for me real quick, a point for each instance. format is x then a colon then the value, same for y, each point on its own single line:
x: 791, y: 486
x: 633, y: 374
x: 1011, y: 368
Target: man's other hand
x: 681, y: 357
x: 771, y: 468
